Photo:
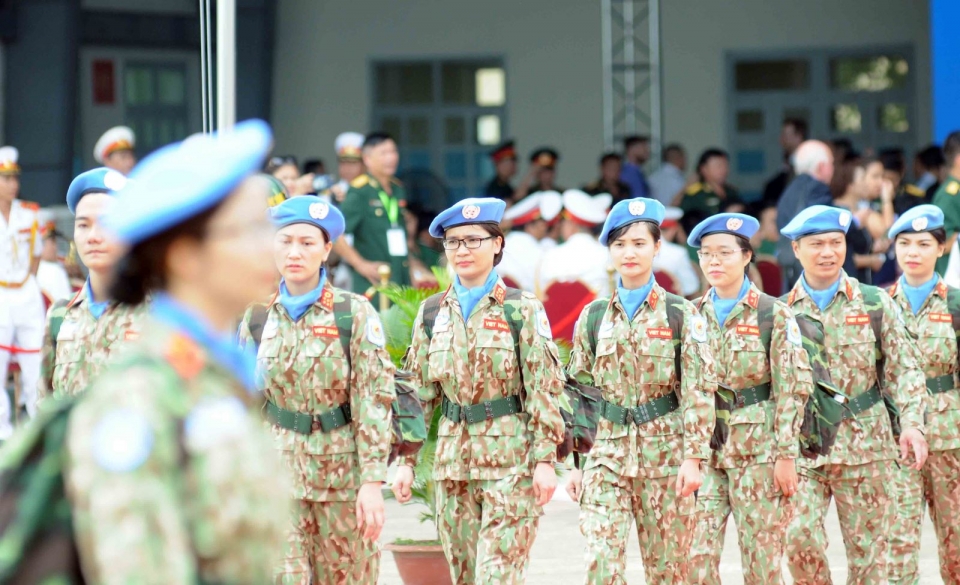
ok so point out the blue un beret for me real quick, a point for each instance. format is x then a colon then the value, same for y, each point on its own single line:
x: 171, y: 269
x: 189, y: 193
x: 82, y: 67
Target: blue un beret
x: 817, y: 219
x: 921, y: 218
x: 311, y: 210
x: 631, y: 211
x: 185, y: 179
x: 101, y: 180
x: 737, y: 224
x: 468, y: 212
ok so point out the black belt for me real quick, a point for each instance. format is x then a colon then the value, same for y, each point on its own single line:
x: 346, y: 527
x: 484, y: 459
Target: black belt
x: 646, y: 412
x: 863, y: 402
x: 304, y: 423
x: 941, y: 384
x: 488, y: 410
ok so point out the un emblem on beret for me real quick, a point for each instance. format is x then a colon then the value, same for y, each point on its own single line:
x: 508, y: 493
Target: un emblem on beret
x: 734, y: 223
x: 919, y: 224
x: 471, y: 212
x: 114, y: 181
x: 844, y: 219
x: 319, y: 210
x: 636, y: 207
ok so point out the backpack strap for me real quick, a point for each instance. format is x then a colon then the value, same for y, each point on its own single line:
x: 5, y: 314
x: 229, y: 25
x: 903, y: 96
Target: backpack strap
x: 675, y: 319
x: 953, y: 307
x: 595, y: 312
x: 258, y: 318
x: 343, y: 316
x: 431, y: 307
x: 513, y: 317
x: 765, y: 305
x: 57, y: 312
x: 871, y: 297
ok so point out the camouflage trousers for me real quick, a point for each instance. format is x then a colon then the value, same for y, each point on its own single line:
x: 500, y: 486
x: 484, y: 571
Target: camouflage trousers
x: 936, y: 486
x: 865, y: 507
x: 324, y: 544
x: 487, y: 528
x: 761, y: 513
x: 611, y: 504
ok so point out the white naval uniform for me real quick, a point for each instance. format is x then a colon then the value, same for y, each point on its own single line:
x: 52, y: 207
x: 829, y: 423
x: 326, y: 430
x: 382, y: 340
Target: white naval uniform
x: 521, y: 256
x: 673, y: 258
x: 581, y: 258
x: 21, y: 305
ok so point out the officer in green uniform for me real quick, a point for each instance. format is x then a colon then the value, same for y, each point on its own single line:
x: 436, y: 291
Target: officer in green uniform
x: 946, y: 196
x: 373, y: 212
x: 505, y: 161
x: 711, y: 194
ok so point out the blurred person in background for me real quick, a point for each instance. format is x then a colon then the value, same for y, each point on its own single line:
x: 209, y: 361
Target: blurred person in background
x: 636, y: 153
x: 793, y: 132
x: 710, y: 193
x: 580, y: 257
x: 114, y: 149
x: 542, y: 174
x: 669, y: 180
x: 861, y: 183
x: 285, y: 169
x: 314, y: 166
x: 349, y: 147
x: 51, y: 275
x: 609, y: 181
x: 504, y: 159
x: 946, y: 198
x: 766, y: 238
x: 673, y: 256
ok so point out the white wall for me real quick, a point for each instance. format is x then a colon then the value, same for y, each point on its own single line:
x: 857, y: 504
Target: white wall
x: 696, y: 36
x: 3, y: 82
x: 551, y: 50
x: 552, y: 54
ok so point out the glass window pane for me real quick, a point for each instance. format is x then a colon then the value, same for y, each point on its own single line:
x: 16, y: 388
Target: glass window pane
x: 491, y: 87
x: 457, y: 82
x: 846, y: 118
x: 454, y: 130
x: 796, y: 114
x: 404, y: 83
x: 392, y: 126
x: 138, y: 86
x: 455, y: 165
x: 893, y: 118
x: 419, y: 131
x: 488, y: 129
x: 785, y: 74
x: 749, y: 121
x: 170, y: 87
x: 877, y: 73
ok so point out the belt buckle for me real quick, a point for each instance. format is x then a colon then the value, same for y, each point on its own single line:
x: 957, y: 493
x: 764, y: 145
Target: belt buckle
x: 739, y: 401
x: 488, y: 410
x: 315, y: 425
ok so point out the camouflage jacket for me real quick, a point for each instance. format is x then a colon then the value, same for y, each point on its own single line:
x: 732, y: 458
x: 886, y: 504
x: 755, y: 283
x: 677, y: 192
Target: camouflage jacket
x: 169, y: 472
x: 851, y: 349
x: 932, y: 329
x: 764, y: 432
x: 475, y: 361
x: 634, y: 363
x: 84, y: 344
x: 302, y: 368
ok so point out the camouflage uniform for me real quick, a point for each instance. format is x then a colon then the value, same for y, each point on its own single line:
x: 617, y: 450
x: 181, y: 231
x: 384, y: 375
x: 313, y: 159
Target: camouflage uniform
x: 857, y: 470
x: 169, y: 473
x: 84, y: 344
x: 304, y: 369
x: 487, y: 516
x: 938, y: 484
x: 630, y: 475
x: 739, y: 478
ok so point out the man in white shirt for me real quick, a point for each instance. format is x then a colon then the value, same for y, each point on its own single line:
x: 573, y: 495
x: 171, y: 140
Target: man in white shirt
x: 668, y: 180
x: 523, y: 246
x: 580, y: 257
x: 51, y: 275
x: 673, y: 257
x: 21, y: 304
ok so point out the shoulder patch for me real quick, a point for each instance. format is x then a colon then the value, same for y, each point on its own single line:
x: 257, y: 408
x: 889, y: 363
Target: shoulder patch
x: 698, y: 328
x: 215, y: 421
x: 184, y: 356
x: 375, y: 334
x: 122, y: 440
x: 694, y: 189
x: 360, y: 181
x: 793, y: 331
x: 914, y: 191
x: 543, y: 324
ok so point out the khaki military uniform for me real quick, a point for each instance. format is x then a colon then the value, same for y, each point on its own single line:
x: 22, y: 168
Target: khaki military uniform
x: 84, y: 344
x: 170, y: 475
x: 858, y: 470
x: 630, y: 475
x: 304, y: 369
x: 937, y: 485
x: 487, y: 516
x: 739, y: 478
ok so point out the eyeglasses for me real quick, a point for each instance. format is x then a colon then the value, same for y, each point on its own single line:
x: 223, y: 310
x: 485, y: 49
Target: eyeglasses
x: 723, y: 255
x: 279, y: 161
x: 469, y: 243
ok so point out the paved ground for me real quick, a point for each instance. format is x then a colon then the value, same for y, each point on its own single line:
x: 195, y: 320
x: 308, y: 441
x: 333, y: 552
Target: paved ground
x: 558, y: 553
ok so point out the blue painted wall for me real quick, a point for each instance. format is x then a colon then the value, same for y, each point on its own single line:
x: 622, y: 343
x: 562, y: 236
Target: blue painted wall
x: 945, y: 56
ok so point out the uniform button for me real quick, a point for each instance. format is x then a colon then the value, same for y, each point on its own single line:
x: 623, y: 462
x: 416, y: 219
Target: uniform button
x: 378, y: 212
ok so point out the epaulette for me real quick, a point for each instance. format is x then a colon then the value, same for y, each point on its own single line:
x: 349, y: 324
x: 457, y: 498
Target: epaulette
x: 952, y: 188
x: 360, y: 181
x: 695, y: 188
x: 914, y: 191
x: 30, y: 205
x: 184, y: 356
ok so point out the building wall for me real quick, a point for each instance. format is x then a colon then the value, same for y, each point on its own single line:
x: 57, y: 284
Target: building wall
x: 552, y: 53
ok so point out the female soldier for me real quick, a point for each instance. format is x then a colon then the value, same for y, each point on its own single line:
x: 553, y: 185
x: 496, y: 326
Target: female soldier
x: 930, y: 311
x: 170, y: 476
x: 756, y: 343
x: 329, y: 383
x: 655, y: 424
x: 484, y: 354
x: 82, y: 335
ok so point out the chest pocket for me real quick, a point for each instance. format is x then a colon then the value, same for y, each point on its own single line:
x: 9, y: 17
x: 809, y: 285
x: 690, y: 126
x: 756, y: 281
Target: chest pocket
x: 858, y: 347
x: 938, y: 343
x: 440, y: 357
x: 657, y: 361
x: 749, y: 365
x: 330, y: 372
x: 71, y: 343
x: 496, y: 356
x: 606, y: 366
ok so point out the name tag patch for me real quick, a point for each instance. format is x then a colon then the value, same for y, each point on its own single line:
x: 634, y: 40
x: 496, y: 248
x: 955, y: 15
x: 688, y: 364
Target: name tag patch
x: 941, y: 317
x: 858, y: 319
x: 496, y: 325
x: 748, y: 330
x: 660, y: 332
x: 325, y: 331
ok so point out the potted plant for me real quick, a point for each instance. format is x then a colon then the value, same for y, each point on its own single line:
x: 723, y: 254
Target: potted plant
x: 419, y: 562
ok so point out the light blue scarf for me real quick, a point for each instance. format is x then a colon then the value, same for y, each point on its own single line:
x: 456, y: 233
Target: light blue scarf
x: 632, y: 299
x: 918, y: 294
x: 96, y: 309
x: 297, y: 306
x: 469, y: 297
x: 723, y: 307
x: 821, y: 297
